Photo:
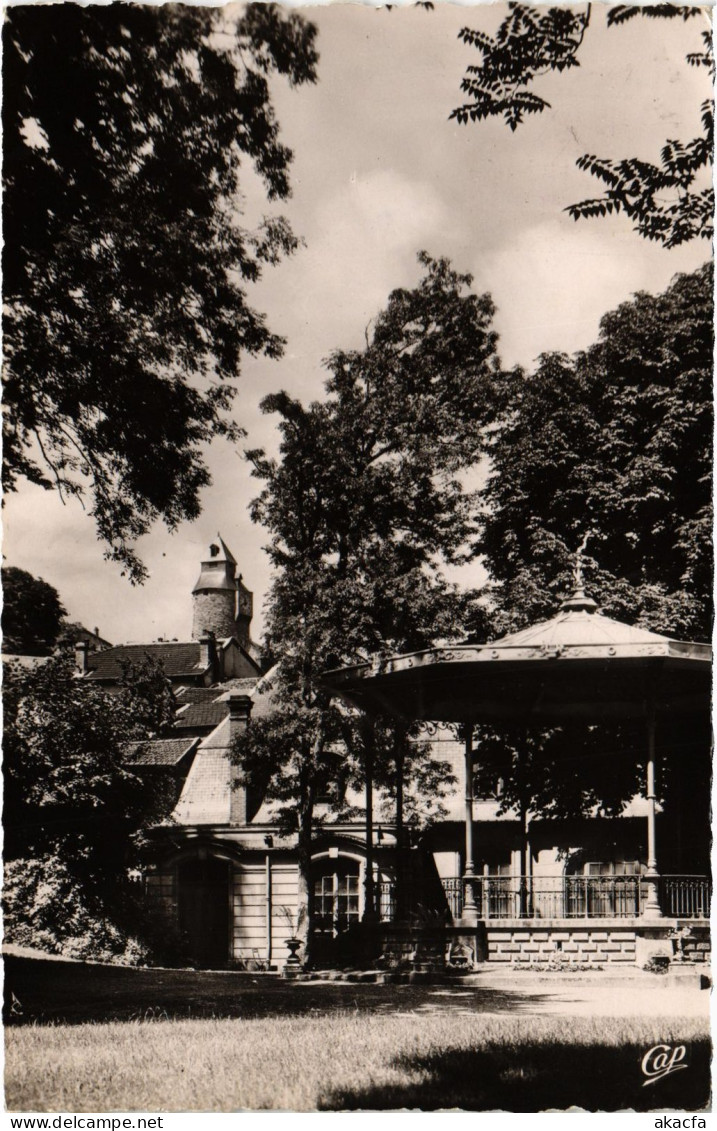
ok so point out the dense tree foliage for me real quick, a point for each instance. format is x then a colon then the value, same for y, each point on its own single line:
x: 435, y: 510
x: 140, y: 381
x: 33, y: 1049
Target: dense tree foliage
x: 670, y: 202
x: 363, y: 504
x: 368, y: 495
x: 576, y: 771
x: 32, y: 613
x: 615, y: 442
x: 126, y: 265
x: 72, y: 809
x: 563, y: 772
x: 63, y: 752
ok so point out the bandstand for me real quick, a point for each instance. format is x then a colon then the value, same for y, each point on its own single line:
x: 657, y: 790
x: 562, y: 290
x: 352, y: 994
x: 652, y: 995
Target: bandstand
x: 579, y: 666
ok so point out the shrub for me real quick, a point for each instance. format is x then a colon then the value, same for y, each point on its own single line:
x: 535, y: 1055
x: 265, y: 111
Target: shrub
x: 47, y: 908
x: 657, y: 964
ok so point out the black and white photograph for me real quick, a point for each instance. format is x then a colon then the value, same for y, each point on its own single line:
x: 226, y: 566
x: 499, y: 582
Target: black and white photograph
x: 357, y: 560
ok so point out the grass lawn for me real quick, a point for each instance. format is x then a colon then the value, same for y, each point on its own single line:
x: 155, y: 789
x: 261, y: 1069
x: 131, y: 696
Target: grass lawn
x: 348, y: 1061
x: 38, y: 990
x: 186, y: 1041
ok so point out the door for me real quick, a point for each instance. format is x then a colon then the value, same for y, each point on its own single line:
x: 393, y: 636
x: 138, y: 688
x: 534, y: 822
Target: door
x: 204, y: 910
x: 336, y: 896
x: 337, y: 908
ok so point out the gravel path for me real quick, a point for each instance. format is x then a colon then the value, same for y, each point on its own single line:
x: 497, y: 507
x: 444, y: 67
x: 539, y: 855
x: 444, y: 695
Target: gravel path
x: 590, y: 1000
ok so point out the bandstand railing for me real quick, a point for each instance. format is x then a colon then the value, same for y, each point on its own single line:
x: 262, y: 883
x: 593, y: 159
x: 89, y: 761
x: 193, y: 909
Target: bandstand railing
x: 577, y: 897
x: 685, y: 897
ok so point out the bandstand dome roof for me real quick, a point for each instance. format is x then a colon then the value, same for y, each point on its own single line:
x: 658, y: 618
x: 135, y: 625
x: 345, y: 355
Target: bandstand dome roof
x: 579, y: 624
x: 578, y: 665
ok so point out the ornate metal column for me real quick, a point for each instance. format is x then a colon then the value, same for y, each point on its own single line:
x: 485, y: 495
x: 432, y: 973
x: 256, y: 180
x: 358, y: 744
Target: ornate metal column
x: 399, y: 754
x: 652, y: 904
x: 370, y: 898
x: 469, y: 918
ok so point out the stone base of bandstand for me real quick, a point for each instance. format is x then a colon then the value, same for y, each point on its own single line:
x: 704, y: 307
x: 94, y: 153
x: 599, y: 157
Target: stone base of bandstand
x: 409, y: 952
x: 598, y: 943
x: 433, y: 949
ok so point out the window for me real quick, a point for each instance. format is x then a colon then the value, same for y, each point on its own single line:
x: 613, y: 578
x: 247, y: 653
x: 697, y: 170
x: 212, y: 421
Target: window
x: 336, y: 896
x: 611, y: 887
x: 613, y: 868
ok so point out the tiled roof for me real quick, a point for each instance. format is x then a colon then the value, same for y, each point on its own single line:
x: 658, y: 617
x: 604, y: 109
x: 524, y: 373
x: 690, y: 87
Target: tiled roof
x: 197, y: 694
x: 201, y: 715
x: 263, y: 697
x: 264, y: 706
x: 220, y: 738
x: 159, y: 752
x: 237, y: 686
x: 177, y: 659
x: 73, y: 631
x: 206, y: 796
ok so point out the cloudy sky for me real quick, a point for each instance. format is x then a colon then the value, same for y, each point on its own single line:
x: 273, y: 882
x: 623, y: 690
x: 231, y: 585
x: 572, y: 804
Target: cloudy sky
x: 380, y: 173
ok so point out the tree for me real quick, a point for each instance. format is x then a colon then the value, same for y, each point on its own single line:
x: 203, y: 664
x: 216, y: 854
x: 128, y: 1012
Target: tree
x: 574, y: 771
x: 72, y: 810
x: 126, y: 265
x: 561, y: 772
x: 615, y: 442
x: 363, y: 505
x: 671, y: 202
x: 32, y: 613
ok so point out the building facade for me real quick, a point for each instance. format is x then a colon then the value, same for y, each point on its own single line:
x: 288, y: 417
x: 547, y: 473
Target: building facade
x: 528, y: 890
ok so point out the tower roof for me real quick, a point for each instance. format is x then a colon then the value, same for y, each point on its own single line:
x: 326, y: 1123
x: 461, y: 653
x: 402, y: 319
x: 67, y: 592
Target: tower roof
x: 219, y: 569
x: 225, y: 553
x: 219, y: 552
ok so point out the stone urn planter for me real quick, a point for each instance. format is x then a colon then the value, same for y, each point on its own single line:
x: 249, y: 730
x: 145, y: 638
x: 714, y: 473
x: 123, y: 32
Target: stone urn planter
x: 293, y: 962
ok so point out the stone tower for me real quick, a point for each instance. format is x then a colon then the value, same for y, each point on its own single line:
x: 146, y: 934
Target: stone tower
x: 222, y: 605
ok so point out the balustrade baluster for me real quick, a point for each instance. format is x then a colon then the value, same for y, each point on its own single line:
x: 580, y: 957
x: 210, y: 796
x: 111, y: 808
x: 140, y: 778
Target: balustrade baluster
x: 570, y: 897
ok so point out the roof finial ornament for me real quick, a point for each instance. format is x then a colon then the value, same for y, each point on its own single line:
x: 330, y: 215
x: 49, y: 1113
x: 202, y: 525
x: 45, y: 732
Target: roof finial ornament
x: 579, y: 580
x: 579, y: 601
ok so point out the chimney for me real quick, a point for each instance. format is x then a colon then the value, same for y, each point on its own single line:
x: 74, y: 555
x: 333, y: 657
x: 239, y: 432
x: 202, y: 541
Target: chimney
x: 239, y: 711
x: 81, y: 656
x: 208, y: 653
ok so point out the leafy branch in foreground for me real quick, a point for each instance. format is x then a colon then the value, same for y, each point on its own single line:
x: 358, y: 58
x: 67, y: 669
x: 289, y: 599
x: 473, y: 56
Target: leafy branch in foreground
x: 126, y: 264
x: 529, y: 42
x: 671, y: 202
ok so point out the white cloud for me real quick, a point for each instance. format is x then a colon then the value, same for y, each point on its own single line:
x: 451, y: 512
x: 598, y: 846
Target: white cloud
x: 364, y: 244
x: 553, y: 282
